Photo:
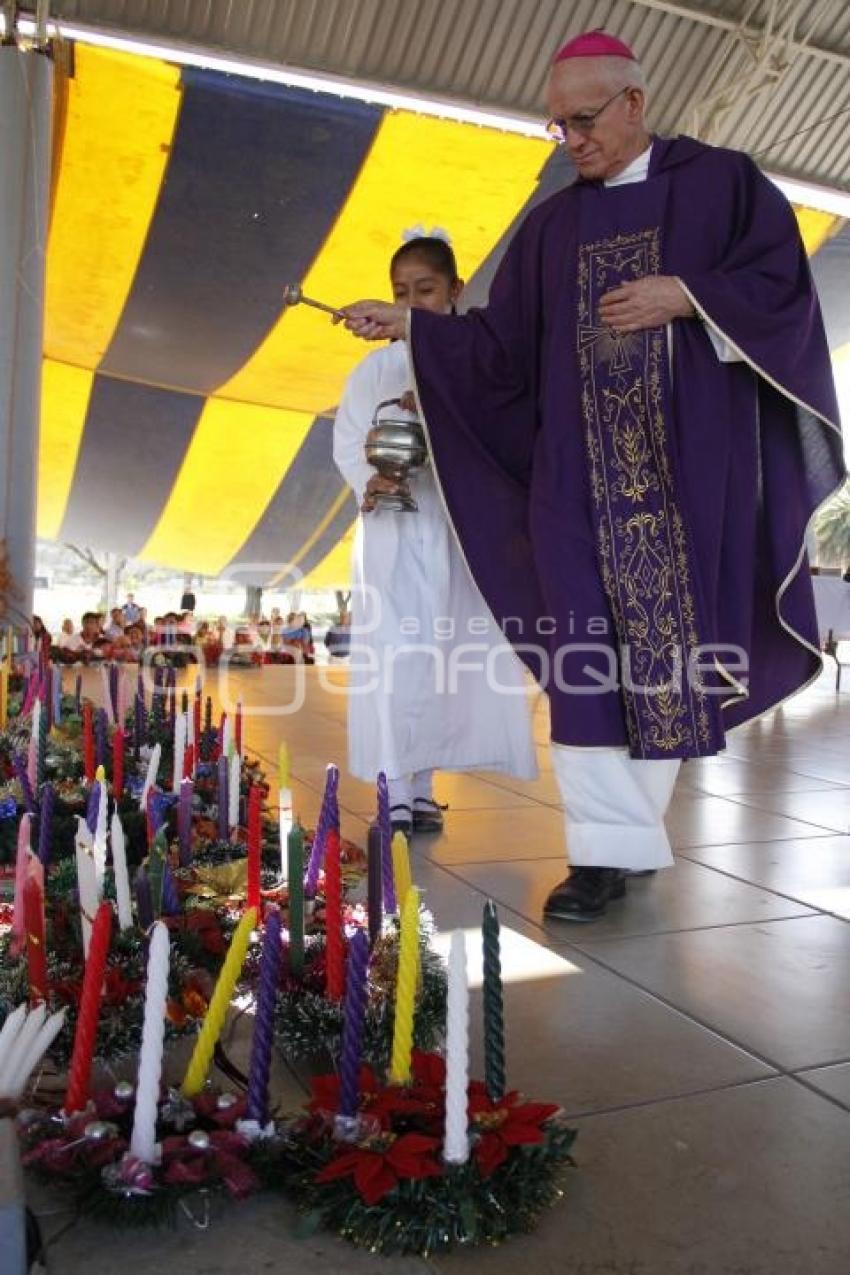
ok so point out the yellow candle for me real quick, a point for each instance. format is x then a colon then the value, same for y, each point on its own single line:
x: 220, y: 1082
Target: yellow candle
x: 406, y: 984
x: 283, y: 767
x: 401, y: 868
x: 199, y: 1064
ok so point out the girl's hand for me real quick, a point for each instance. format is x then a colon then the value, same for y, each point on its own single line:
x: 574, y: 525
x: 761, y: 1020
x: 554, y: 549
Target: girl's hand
x: 377, y: 485
x: 374, y: 320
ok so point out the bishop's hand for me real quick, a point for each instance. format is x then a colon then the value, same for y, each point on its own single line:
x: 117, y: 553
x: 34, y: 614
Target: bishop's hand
x: 375, y: 320
x: 650, y: 302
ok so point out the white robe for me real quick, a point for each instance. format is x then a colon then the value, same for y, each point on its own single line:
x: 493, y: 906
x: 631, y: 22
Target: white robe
x: 411, y: 589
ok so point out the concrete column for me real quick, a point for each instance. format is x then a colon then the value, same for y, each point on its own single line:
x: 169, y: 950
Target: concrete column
x: 26, y: 99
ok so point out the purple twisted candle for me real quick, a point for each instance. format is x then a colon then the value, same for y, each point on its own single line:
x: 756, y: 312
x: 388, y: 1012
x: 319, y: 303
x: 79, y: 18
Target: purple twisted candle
x: 261, y: 1048
x: 323, y: 824
x: 184, y: 822
x: 48, y: 797
x: 93, y: 807
x: 223, y: 800
x: 139, y: 724
x: 101, y: 731
x: 375, y: 895
x: 385, y: 824
x: 113, y: 689
x: 19, y: 764
x: 354, y: 1014
x: 170, y: 905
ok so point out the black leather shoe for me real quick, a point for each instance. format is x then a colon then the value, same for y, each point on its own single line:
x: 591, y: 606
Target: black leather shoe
x: 401, y: 820
x: 427, y: 815
x: 585, y: 894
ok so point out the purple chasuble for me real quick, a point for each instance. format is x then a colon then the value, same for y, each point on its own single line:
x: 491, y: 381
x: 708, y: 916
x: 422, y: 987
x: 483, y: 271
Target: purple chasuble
x: 633, y: 509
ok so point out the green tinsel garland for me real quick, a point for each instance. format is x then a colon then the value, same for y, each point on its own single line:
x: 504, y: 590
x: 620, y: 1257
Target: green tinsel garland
x: 304, y: 1016
x: 431, y: 1215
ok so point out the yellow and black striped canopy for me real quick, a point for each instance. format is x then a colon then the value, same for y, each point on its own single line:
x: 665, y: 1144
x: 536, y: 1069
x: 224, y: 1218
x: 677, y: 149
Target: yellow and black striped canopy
x: 186, y: 419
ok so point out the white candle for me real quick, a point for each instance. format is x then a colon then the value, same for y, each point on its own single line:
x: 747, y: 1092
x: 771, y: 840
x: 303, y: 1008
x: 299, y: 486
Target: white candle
x: 284, y: 805
x: 21, y: 1048
x: 86, y: 881
x: 15, y: 1081
x: 9, y: 1034
x: 143, y: 1139
x: 32, y: 751
x: 122, y: 876
x: 150, y: 777
x: 179, y: 750
x: 226, y: 736
x: 456, y: 1146
x: 233, y: 792
x: 99, y: 848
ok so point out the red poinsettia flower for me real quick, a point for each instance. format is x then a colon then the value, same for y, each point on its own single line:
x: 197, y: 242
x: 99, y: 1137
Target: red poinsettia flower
x: 326, y: 1090
x: 378, y: 1168
x: 117, y: 988
x: 505, y: 1124
x: 428, y: 1070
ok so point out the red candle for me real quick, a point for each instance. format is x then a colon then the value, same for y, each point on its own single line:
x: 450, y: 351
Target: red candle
x: 238, y: 731
x: 189, y: 762
x: 85, y: 1036
x: 117, y: 764
x: 34, y: 926
x: 334, y: 955
x: 255, y: 798
x: 88, y: 744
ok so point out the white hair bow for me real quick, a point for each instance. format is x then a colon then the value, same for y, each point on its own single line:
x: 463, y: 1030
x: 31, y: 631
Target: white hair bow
x: 419, y: 232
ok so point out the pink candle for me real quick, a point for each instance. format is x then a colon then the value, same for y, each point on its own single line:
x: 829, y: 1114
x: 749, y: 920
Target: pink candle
x: 255, y: 798
x: 334, y: 952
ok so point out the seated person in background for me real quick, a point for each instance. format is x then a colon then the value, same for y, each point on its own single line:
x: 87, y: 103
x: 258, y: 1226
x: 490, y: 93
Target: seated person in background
x: 67, y: 639
x: 134, y: 642
x: 338, y: 637
x: 186, y: 626
x: 225, y: 633
x: 115, y: 627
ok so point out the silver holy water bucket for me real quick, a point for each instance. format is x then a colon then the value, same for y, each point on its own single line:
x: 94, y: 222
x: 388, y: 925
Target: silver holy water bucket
x: 396, y: 447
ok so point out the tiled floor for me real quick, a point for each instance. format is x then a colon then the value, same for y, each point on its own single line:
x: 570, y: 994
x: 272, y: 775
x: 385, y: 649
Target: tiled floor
x: 699, y: 1034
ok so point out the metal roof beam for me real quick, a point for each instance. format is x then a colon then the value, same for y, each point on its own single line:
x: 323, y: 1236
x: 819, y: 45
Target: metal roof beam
x: 692, y: 14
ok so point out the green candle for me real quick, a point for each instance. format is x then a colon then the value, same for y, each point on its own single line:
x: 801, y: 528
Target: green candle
x: 295, y: 873
x: 494, y: 1018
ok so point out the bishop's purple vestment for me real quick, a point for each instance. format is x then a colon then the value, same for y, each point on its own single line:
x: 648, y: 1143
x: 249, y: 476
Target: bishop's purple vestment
x: 633, y: 504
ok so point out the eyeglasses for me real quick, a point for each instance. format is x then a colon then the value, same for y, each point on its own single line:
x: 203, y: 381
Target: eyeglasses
x: 584, y: 124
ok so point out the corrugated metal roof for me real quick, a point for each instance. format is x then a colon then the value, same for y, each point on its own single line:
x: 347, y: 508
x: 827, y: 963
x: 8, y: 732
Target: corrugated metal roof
x: 495, y: 53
